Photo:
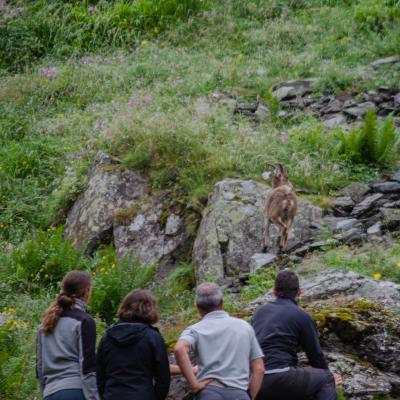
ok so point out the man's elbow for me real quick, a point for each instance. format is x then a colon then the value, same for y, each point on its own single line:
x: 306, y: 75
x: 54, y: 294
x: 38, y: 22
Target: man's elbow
x: 257, y: 367
x: 180, y: 348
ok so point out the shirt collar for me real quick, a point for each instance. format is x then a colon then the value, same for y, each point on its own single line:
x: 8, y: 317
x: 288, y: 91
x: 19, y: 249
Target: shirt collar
x: 80, y: 305
x: 286, y: 300
x: 216, y: 314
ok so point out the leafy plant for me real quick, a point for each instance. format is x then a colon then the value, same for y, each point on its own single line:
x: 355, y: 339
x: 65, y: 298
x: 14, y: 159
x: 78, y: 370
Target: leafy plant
x: 43, y: 260
x: 259, y: 283
x: 181, y: 279
x: 373, y: 143
x: 113, y: 278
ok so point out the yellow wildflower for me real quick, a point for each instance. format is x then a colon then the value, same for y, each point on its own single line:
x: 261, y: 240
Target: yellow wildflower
x: 106, y: 272
x: 102, y: 269
x: 113, y: 266
x: 11, y: 309
x: 104, y: 258
x: 144, y: 41
x: 377, y: 276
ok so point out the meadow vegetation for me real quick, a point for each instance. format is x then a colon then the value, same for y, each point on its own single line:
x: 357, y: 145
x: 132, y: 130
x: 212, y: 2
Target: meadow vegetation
x: 154, y: 82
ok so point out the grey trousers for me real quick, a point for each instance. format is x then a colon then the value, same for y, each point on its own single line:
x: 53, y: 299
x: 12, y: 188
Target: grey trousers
x: 299, y: 384
x: 211, y: 392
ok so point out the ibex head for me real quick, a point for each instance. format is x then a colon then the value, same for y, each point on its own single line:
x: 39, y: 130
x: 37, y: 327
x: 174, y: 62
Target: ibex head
x: 279, y: 177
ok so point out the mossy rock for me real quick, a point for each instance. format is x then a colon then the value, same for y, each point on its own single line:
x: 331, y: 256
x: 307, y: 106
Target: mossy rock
x: 352, y: 320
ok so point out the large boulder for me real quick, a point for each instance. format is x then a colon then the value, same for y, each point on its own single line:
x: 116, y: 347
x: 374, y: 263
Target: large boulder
x: 361, y: 381
x: 110, y: 189
x: 359, y: 327
x: 153, y: 233
x: 332, y: 283
x: 232, y: 229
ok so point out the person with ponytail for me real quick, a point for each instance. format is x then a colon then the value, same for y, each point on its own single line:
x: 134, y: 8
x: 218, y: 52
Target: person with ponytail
x: 132, y: 359
x: 66, y: 342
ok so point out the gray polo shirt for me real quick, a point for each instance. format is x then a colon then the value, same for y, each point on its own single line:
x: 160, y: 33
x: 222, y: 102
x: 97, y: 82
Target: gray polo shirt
x: 224, y: 346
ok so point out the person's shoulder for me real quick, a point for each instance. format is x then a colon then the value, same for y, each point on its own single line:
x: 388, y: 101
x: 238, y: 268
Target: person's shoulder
x: 78, y: 315
x: 240, y: 323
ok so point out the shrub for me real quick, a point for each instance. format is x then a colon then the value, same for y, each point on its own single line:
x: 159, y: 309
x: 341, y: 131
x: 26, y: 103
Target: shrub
x: 113, y: 279
x: 373, y: 143
x: 43, y: 260
x: 259, y: 283
x: 11, y: 366
x: 181, y: 279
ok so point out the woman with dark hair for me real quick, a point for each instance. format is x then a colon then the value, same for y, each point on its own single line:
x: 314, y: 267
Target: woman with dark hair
x: 132, y: 360
x: 66, y: 342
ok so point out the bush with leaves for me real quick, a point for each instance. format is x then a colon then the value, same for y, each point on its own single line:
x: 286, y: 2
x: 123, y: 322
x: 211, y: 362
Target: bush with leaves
x: 113, y: 278
x: 376, y: 142
x: 43, y: 260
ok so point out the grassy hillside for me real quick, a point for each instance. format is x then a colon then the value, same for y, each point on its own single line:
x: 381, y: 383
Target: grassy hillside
x: 153, y: 82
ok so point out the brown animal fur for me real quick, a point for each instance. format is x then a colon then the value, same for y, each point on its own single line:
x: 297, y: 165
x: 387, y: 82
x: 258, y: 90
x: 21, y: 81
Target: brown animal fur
x: 281, y: 208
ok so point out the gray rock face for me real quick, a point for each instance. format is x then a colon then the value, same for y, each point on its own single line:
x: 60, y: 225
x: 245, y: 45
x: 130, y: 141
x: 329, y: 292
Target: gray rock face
x: 361, y: 381
x: 336, y: 121
x: 261, y: 260
x: 343, y: 205
x: 366, y: 204
x: 145, y: 237
x: 375, y: 229
x: 232, y: 229
x: 109, y: 190
x: 387, y: 187
x: 290, y: 89
x: 331, y: 283
x: 360, y: 109
x: 383, y: 61
x: 356, y: 191
x: 396, y: 177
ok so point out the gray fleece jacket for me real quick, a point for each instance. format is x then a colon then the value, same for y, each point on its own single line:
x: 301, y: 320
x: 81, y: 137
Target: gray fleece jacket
x: 65, y: 359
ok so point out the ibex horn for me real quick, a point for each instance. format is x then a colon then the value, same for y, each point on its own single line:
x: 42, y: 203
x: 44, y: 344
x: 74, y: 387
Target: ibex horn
x: 280, y: 168
x: 270, y: 164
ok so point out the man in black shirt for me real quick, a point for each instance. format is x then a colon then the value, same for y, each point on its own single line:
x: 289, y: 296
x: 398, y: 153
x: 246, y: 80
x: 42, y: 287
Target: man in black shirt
x: 282, y: 327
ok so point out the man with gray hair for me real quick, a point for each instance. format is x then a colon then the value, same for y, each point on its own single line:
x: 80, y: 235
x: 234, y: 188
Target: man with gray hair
x: 230, y: 359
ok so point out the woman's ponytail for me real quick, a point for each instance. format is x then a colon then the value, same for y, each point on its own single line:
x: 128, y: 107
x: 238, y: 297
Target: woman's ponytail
x: 73, y: 286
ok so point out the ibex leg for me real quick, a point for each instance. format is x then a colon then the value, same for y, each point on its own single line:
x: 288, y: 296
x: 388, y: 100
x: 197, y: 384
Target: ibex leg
x: 266, y: 233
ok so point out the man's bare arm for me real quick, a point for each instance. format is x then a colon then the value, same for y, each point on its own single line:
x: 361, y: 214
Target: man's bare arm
x: 183, y: 360
x: 257, y: 376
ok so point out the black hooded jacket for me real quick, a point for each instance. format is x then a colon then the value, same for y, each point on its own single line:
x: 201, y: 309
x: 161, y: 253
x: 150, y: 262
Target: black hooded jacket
x: 132, y: 363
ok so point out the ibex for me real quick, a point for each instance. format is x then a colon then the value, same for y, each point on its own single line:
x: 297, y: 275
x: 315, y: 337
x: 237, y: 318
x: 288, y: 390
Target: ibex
x: 280, y: 208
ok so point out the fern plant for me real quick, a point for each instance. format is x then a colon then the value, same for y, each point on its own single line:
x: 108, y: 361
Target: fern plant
x: 374, y: 143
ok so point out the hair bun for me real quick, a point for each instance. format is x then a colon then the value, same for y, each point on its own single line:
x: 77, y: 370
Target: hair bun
x: 65, y: 300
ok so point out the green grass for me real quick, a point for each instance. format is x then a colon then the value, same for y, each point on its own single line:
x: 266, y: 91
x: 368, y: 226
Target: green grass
x: 155, y: 83
x: 382, y: 261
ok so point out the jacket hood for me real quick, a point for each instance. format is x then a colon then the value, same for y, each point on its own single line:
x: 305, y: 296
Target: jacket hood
x: 127, y: 333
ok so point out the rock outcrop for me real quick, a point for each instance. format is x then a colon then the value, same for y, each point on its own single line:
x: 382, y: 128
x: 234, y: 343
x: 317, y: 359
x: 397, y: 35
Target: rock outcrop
x: 109, y: 190
x: 232, y: 229
x: 117, y: 206
x: 359, y: 326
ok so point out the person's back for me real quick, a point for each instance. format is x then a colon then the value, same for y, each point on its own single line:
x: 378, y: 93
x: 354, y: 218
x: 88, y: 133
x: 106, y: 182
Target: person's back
x: 223, y: 346
x: 282, y: 329
x: 132, y: 360
x: 229, y: 357
x: 65, y: 362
